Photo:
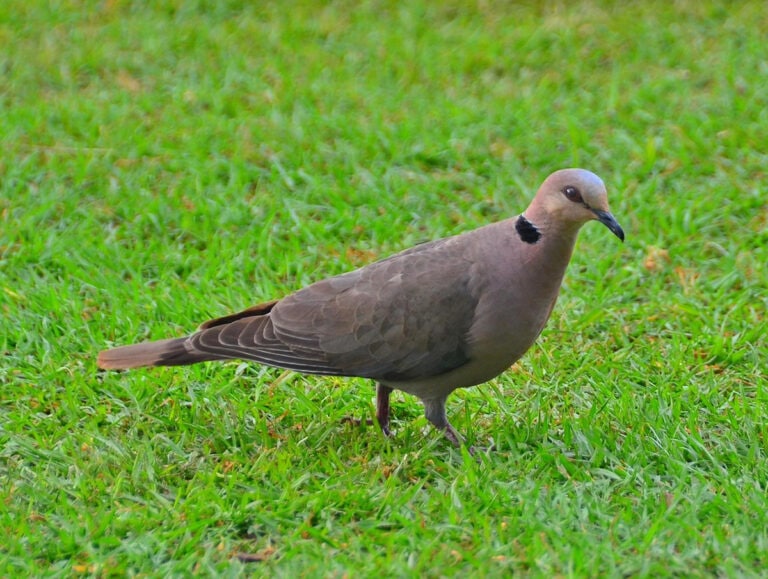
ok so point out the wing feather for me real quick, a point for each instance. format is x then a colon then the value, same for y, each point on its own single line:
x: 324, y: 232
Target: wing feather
x: 400, y: 318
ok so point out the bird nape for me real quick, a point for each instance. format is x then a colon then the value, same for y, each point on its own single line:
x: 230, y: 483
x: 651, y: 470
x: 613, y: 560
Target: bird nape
x: 443, y: 315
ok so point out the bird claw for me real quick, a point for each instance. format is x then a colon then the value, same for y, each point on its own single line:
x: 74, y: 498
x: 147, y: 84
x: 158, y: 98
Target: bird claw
x: 355, y: 421
x: 478, y: 450
x: 368, y: 422
x: 458, y: 441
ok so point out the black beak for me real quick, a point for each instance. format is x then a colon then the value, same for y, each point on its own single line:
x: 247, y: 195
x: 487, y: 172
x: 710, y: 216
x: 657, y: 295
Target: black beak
x: 607, y: 219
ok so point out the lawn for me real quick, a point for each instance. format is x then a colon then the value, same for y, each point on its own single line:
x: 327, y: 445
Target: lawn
x: 164, y: 163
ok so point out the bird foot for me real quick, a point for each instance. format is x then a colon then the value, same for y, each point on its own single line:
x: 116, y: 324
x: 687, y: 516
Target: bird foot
x: 458, y: 440
x: 478, y: 450
x: 355, y: 421
x: 368, y: 422
x: 453, y: 436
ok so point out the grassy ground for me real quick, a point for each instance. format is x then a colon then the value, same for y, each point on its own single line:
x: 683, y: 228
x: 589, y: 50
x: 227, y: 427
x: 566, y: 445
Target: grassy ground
x: 163, y: 163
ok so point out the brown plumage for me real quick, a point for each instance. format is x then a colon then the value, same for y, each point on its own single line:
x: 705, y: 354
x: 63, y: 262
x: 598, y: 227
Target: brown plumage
x: 439, y: 316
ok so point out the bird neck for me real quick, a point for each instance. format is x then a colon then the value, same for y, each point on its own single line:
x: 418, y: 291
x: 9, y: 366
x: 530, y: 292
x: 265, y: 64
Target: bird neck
x: 549, y: 254
x: 551, y: 232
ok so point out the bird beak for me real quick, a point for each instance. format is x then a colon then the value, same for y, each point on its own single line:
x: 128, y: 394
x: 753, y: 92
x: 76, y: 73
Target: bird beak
x: 607, y: 219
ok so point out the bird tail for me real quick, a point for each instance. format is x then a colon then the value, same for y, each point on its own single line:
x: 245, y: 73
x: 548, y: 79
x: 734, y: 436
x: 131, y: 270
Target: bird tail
x: 172, y: 352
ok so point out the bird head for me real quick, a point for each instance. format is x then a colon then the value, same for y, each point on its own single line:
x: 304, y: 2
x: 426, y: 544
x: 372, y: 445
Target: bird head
x: 575, y: 196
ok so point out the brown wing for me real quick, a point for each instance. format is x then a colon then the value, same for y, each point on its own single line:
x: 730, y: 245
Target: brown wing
x: 257, y: 310
x: 401, y: 318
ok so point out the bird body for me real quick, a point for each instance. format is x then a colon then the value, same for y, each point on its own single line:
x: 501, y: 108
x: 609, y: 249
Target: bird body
x: 442, y: 315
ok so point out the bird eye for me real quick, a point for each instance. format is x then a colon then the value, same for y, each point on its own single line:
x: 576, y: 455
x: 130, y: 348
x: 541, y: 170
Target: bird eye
x: 573, y: 194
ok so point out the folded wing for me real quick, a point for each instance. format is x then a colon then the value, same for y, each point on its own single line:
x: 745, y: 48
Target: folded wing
x: 395, y: 319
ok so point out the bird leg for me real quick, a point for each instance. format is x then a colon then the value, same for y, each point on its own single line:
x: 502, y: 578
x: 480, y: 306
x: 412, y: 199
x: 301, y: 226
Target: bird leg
x: 382, y: 410
x: 382, y: 407
x: 434, y: 410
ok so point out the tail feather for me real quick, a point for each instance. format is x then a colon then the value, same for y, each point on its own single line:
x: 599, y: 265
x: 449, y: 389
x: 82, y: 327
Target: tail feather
x: 171, y: 352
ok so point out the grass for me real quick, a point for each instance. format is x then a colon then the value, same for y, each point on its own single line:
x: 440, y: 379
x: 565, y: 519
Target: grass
x: 166, y: 163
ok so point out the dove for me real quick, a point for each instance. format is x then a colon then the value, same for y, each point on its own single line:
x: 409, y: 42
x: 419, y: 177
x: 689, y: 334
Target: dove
x: 446, y: 314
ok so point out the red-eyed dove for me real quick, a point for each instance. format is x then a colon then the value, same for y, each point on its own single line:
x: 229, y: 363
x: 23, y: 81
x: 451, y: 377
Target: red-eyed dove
x: 443, y: 315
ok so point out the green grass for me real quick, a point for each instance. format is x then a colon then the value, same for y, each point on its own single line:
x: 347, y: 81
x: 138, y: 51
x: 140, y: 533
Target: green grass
x: 163, y: 163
